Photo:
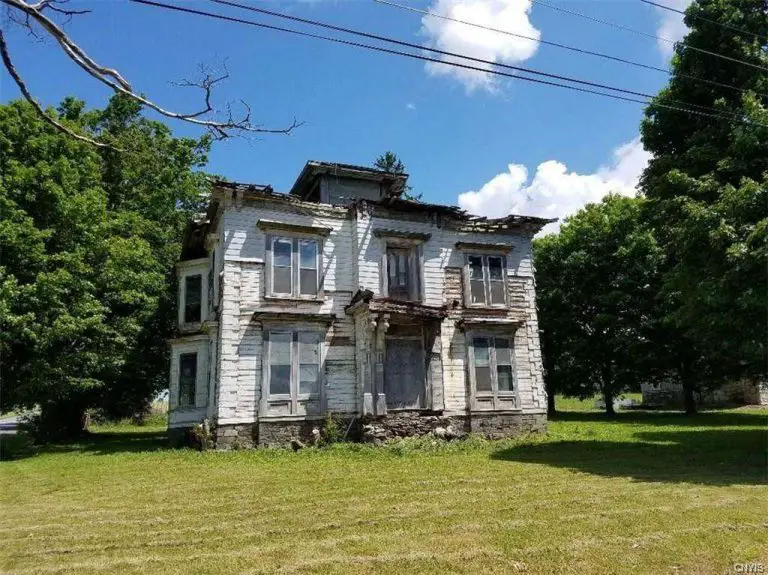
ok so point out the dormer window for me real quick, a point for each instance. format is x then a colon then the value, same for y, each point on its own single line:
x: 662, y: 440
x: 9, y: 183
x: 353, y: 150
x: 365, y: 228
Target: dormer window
x: 193, y: 297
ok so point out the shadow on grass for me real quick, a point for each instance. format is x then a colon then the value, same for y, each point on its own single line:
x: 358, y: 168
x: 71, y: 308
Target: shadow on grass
x: 676, y: 418
x: 100, y: 443
x: 710, y: 457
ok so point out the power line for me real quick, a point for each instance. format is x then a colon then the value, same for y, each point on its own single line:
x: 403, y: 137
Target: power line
x: 454, y: 54
x: 705, y: 19
x: 645, y: 34
x: 424, y: 58
x: 556, y: 44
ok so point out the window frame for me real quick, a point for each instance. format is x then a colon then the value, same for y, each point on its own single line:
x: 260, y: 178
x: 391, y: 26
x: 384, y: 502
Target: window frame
x: 495, y: 399
x: 191, y: 401
x: 295, y: 274
x: 294, y: 400
x: 487, y: 281
x: 200, y: 346
x: 414, y: 268
x: 185, y: 269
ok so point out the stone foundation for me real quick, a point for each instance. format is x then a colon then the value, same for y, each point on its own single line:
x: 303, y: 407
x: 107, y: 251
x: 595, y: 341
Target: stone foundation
x: 268, y: 433
x: 500, y: 425
x: 239, y: 436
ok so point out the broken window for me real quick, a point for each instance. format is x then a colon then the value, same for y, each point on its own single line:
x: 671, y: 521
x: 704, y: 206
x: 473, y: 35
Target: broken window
x: 187, y: 379
x: 402, y: 273
x: 493, y: 371
x: 193, y: 293
x: 398, y: 270
x: 294, y: 364
x: 295, y: 267
x: 485, y: 276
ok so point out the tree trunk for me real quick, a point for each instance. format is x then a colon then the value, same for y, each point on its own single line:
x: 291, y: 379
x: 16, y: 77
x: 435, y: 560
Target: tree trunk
x: 608, y: 398
x: 689, y: 400
x: 686, y: 377
x: 551, y: 408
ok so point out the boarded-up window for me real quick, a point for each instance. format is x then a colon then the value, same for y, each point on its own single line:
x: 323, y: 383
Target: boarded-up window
x: 486, y: 278
x: 187, y: 379
x: 493, y: 370
x: 404, y: 373
x: 193, y: 294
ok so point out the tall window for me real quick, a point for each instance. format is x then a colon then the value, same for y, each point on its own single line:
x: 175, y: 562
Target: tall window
x: 294, y: 364
x: 187, y: 379
x: 486, y: 280
x: 493, y: 367
x: 193, y: 293
x: 398, y: 271
x: 295, y: 267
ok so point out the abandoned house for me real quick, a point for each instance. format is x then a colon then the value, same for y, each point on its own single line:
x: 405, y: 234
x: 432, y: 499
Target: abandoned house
x: 342, y: 297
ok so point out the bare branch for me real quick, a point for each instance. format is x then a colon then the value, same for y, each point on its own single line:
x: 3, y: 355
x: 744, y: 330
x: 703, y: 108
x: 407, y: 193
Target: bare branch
x: 112, y: 78
x: 38, y: 108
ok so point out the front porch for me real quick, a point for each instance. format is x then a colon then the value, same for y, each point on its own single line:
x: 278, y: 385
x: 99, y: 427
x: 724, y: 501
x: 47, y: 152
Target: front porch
x: 399, y: 355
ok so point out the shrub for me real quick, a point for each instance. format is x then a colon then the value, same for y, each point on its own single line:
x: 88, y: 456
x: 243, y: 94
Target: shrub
x: 200, y: 436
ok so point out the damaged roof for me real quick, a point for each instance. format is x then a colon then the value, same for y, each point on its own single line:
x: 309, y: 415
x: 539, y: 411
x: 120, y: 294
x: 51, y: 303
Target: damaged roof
x: 464, y: 220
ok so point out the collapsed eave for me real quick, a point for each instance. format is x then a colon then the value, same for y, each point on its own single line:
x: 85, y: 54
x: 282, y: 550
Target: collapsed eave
x: 365, y: 299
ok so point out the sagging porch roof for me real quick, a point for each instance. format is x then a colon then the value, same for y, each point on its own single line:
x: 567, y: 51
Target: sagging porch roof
x: 365, y: 298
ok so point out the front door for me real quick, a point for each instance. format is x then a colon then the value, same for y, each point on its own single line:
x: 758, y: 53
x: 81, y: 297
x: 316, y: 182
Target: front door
x: 404, y: 373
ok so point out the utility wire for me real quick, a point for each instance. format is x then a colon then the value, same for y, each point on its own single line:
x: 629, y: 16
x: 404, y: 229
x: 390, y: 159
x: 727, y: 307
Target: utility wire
x: 456, y: 55
x: 646, y: 34
x: 426, y: 58
x: 705, y: 19
x: 556, y: 44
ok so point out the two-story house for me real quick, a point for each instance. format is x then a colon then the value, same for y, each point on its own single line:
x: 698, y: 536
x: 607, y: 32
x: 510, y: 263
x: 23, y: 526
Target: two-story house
x: 342, y: 297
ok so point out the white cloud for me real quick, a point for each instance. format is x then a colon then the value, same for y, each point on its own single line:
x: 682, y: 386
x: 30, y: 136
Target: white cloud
x: 509, y: 15
x: 554, y: 192
x: 671, y: 25
x: 410, y: 106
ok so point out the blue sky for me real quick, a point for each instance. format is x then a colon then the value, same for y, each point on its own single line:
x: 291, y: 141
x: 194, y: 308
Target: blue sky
x: 508, y: 141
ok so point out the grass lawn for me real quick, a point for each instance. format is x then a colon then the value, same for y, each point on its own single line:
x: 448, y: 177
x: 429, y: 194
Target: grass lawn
x: 644, y: 493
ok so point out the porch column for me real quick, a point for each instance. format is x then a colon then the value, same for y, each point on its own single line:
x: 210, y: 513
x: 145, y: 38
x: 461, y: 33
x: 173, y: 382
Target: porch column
x: 380, y: 404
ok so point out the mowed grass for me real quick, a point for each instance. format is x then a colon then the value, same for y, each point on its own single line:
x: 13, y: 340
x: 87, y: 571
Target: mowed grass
x: 643, y: 493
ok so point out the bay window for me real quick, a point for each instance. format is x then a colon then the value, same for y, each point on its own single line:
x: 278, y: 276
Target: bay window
x: 187, y: 379
x: 193, y: 298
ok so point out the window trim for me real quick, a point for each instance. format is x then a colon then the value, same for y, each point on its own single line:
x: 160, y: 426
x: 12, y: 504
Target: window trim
x: 294, y: 397
x: 184, y: 269
x: 496, y: 396
x: 415, y: 267
x: 201, y: 347
x: 296, y: 241
x: 484, y: 258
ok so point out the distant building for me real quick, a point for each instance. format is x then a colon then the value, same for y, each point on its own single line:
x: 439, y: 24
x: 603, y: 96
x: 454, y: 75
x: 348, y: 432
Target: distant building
x: 342, y: 297
x: 670, y: 394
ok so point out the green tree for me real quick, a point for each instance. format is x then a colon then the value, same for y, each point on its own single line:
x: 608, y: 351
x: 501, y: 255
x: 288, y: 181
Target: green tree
x: 707, y: 190
x: 89, y: 237
x: 596, y: 284
x: 390, y: 163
